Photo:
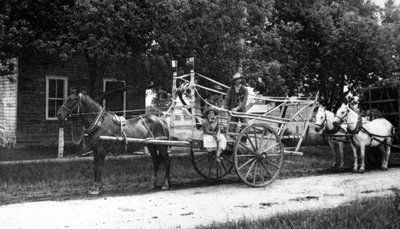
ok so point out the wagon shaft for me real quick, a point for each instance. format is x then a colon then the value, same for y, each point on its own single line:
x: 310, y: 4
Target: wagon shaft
x: 148, y: 141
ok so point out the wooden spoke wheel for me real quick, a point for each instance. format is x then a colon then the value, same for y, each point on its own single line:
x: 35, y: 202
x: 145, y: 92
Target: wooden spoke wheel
x: 207, y: 165
x: 258, y: 155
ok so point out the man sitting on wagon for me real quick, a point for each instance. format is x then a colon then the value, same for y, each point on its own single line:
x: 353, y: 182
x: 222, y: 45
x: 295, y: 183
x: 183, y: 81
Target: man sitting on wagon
x: 213, y: 140
x: 236, y: 100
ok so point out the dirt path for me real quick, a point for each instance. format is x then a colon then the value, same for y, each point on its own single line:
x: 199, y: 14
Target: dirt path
x: 195, y: 206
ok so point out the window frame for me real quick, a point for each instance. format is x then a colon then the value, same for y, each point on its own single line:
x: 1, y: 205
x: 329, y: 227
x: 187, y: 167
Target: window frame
x: 105, y: 80
x: 65, y: 94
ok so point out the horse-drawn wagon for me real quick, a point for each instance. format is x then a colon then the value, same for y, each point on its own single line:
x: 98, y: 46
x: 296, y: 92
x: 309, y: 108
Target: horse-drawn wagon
x: 257, y: 160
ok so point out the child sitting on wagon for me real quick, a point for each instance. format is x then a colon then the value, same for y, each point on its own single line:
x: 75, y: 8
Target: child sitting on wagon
x: 213, y: 140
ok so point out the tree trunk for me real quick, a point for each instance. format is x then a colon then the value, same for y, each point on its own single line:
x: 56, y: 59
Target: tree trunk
x: 96, y: 73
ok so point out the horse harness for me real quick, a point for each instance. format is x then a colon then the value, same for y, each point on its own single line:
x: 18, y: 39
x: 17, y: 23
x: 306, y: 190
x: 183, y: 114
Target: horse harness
x: 360, y: 127
x: 331, y: 133
x: 98, y: 124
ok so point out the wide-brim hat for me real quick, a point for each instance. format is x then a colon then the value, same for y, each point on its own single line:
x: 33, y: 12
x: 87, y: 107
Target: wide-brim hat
x: 208, y: 109
x: 237, y: 75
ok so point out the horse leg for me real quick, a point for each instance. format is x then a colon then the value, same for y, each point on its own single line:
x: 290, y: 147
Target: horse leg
x: 332, y: 146
x: 167, y: 163
x: 388, y: 151
x: 98, y: 163
x: 362, y: 159
x: 355, y: 164
x: 156, y: 164
x: 385, y: 148
x: 340, y: 144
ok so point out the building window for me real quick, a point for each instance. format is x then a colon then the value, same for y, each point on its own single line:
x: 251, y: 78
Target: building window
x: 115, y: 100
x: 56, y: 92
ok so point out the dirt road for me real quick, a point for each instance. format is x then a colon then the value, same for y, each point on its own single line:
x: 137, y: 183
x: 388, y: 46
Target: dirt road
x: 190, y: 207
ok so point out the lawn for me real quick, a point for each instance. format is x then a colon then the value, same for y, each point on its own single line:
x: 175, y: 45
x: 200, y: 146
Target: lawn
x: 363, y: 213
x: 68, y: 180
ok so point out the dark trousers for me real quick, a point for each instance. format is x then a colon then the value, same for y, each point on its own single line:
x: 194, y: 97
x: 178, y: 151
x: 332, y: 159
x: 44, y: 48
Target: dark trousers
x: 233, y: 127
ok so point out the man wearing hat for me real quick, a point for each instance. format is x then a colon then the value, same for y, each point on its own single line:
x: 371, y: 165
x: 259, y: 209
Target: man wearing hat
x: 213, y: 140
x: 236, y: 99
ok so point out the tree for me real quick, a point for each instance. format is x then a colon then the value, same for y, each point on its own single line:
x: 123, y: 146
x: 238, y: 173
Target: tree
x: 103, y: 31
x: 27, y: 26
x: 109, y: 31
x: 225, y: 37
x: 340, y: 44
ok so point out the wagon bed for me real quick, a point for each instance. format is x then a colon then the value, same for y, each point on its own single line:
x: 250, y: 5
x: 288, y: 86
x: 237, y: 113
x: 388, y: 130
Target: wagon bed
x: 258, y: 158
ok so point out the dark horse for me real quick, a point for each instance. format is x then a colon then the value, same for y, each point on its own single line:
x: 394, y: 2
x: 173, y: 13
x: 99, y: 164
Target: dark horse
x: 98, y: 122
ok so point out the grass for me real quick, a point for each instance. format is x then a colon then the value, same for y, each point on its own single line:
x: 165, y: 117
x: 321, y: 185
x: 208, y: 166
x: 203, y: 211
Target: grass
x: 56, y: 180
x: 36, y: 153
x: 365, y: 213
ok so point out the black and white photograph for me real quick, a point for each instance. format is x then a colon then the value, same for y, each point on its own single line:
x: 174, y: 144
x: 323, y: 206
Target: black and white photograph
x: 204, y: 114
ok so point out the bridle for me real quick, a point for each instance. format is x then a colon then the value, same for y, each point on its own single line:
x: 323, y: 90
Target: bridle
x: 323, y: 123
x: 95, y: 124
x: 344, y: 116
x: 77, y: 105
x: 358, y: 123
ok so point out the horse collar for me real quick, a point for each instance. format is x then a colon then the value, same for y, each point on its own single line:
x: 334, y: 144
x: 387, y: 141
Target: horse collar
x: 358, y: 128
x: 96, y: 123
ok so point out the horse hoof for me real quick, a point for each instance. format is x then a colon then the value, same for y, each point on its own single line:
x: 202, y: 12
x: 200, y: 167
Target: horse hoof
x: 361, y: 170
x: 384, y: 168
x: 355, y: 170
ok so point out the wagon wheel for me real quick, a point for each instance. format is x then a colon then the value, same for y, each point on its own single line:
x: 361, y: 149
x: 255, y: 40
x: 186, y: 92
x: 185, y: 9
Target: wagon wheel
x: 207, y: 166
x: 258, y: 160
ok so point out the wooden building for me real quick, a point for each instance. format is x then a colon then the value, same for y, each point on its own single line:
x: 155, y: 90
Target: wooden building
x: 382, y: 102
x: 28, y: 107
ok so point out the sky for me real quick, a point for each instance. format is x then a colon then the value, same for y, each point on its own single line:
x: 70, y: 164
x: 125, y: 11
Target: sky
x: 381, y: 3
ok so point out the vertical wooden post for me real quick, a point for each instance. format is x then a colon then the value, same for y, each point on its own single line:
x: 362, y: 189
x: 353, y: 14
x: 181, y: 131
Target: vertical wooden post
x: 307, y: 123
x: 174, y: 75
x: 61, y: 143
x: 369, y: 103
x: 193, y: 99
x: 228, y: 124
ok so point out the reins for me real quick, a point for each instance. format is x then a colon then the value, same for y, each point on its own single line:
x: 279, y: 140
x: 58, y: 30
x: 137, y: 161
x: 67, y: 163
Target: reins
x: 92, y: 127
x: 76, y: 105
x: 73, y: 135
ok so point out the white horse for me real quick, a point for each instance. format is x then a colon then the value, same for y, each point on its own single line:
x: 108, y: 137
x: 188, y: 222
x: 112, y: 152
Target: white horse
x: 335, y: 136
x: 378, y: 132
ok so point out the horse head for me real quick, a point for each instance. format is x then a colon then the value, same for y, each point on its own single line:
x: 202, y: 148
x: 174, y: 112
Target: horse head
x: 70, y: 104
x: 320, y: 119
x: 341, y: 115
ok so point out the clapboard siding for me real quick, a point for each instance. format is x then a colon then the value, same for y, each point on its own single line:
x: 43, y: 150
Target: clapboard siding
x: 32, y: 126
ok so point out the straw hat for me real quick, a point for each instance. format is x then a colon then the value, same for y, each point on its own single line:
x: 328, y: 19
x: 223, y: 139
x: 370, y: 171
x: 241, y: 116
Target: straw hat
x: 237, y: 75
x: 208, y: 109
